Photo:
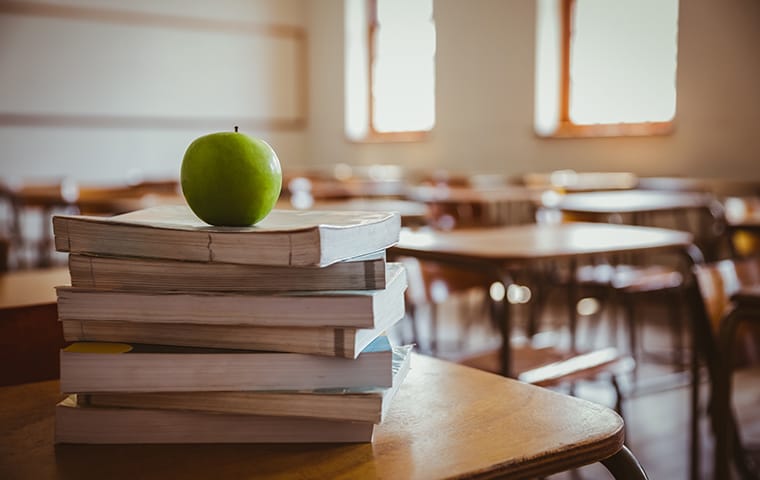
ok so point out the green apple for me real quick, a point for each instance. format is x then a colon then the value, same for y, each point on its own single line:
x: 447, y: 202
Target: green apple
x: 230, y: 179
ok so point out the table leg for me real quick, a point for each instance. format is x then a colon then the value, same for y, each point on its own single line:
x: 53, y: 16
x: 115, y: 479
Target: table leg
x: 572, y: 303
x: 504, y: 320
x: 624, y: 466
x: 699, y: 343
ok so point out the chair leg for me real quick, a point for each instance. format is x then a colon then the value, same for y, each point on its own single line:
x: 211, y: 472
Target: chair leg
x: 624, y: 466
x: 694, y: 434
x: 629, y: 313
x: 676, y: 331
x: 412, y: 311
x: 618, y: 400
x: 433, y: 328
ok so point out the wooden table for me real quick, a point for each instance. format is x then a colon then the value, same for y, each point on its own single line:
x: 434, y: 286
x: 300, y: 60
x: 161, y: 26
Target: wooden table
x: 688, y: 211
x: 412, y: 213
x: 470, y: 206
x: 91, y: 200
x: 30, y: 334
x: 572, y: 181
x: 503, y: 252
x: 633, y: 202
x: 448, y: 421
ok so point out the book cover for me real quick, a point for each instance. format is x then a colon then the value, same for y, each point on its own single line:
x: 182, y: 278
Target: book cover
x: 112, y: 367
x: 133, y: 273
x: 338, y: 308
x: 284, y: 237
x: 348, y: 404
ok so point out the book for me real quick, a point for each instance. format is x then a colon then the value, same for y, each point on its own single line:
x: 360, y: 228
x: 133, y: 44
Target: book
x: 102, y: 425
x: 285, y: 237
x: 345, y: 342
x: 112, y: 367
x: 348, y: 404
x: 337, y: 308
x: 132, y: 273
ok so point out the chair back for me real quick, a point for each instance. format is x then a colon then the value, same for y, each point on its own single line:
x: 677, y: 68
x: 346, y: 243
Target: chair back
x: 717, y: 283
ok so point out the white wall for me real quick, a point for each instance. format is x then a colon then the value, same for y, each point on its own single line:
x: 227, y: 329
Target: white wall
x: 97, y: 96
x: 485, y: 74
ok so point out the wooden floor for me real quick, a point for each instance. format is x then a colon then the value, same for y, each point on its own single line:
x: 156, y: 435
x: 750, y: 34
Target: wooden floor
x: 656, y: 406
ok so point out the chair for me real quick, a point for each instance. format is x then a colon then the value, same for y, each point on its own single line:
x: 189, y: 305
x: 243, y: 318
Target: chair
x: 536, y: 360
x: 716, y: 323
x: 631, y: 279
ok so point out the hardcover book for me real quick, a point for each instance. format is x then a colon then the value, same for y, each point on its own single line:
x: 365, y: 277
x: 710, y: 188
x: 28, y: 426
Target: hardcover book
x: 283, y: 238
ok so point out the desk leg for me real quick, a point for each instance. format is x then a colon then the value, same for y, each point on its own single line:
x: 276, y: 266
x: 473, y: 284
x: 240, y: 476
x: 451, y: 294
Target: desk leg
x: 699, y: 346
x: 572, y: 303
x: 504, y: 320
x: 624, y: 466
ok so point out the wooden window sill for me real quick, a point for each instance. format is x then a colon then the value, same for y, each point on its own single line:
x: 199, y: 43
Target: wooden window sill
x: 571, y: 130
x: 392, y: 137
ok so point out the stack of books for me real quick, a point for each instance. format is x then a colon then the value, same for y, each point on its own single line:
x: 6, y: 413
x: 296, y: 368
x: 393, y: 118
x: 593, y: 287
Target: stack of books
x: 187, y: 333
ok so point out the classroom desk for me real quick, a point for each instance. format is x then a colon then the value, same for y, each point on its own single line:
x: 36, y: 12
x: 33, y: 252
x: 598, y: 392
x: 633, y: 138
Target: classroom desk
x: 506, y: 251
x: 466, y: 206
x: 447, y: 421
x: 633, y: 202
x: 412, y: 213
x: 30, y: 335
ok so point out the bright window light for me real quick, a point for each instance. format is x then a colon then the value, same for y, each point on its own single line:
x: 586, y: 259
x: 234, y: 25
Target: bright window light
x: 605, y: 62
x: 390, y: 81
x: 623, y: 61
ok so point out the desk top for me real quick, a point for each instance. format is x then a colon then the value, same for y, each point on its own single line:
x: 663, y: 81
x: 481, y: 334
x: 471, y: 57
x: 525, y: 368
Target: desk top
x: 466, y: 195
x: 632, y: 201
x: 406, y: 208
x: 526, y: 242
x: 447, y: 421
x: 27, y: 288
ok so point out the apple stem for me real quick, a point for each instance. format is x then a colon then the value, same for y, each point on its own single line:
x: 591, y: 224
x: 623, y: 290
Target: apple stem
x: 236, y: 128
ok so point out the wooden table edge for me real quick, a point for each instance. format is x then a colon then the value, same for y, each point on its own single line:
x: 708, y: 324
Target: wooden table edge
x: 574, y: 458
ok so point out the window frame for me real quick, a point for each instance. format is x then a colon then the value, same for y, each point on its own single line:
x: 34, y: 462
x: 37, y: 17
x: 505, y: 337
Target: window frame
x: 373, y: 135
x: 566, y: 128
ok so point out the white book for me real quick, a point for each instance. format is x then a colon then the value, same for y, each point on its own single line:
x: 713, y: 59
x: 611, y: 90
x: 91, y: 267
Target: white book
x: 284, y: 237
x: 339, y: 308
x: 104, y: 367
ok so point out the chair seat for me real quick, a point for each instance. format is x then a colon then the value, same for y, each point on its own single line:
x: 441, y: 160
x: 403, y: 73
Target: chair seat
x: 549, y: 366
x: 630, y: 278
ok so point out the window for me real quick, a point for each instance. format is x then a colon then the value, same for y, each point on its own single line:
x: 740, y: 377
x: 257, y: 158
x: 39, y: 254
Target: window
x: 606, y: 67
x: 390, y: 69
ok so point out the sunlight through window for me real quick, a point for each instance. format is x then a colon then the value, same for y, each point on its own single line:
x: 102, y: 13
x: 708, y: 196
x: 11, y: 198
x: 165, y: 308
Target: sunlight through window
x: 390, y: 67
x: 605, y: 67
